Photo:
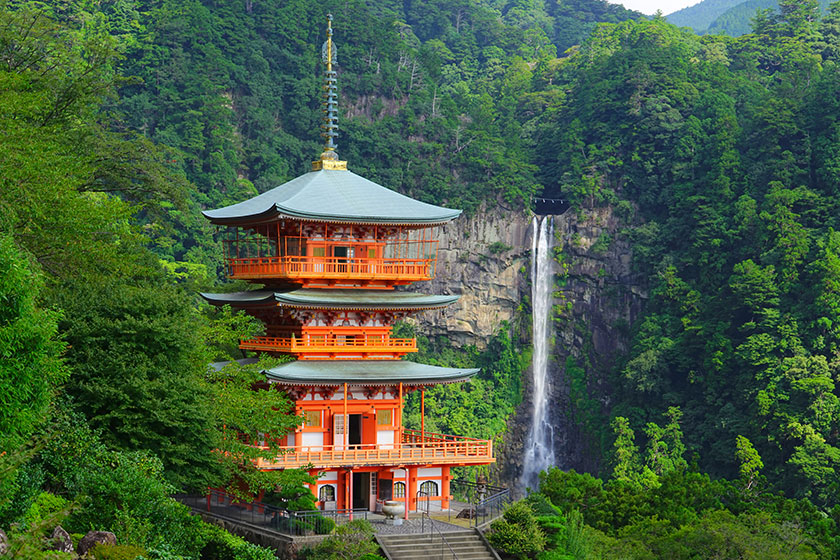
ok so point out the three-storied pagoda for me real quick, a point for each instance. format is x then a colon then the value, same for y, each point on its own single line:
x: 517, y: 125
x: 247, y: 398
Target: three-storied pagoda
x: 329, y: 248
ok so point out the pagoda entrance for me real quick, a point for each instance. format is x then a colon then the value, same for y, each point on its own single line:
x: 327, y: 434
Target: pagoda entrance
x: 361, y: 490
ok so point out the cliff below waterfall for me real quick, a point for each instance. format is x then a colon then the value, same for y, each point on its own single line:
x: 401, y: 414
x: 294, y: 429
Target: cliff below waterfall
x: 485, y: 258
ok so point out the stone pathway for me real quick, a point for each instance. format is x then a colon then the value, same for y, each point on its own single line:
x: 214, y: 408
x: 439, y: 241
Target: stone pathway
x: 411, y: 527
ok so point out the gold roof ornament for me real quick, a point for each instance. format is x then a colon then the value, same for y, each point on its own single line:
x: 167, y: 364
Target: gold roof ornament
x: 329, y: 159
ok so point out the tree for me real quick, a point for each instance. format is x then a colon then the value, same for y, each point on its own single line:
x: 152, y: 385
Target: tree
x: 31, y: 369
x: 627, y: 462
x: 69, y: 180
x: 750, y: 461
x: 665, y: 448
x: 799, y: 17
x: 138, y: 365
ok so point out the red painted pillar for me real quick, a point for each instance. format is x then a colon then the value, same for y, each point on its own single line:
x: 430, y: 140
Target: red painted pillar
x: 411, y: 490
x: 350, y: 492
x: 422, y: 417
x: 348, y: 480
x: 444, y: 487
x: 405, y: 499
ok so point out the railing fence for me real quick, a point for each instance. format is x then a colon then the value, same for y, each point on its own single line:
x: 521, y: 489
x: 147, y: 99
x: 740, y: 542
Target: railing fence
x: 292, y: 523
x: 485, y: 502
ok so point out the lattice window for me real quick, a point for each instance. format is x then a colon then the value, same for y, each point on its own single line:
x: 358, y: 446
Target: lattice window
x: 429, y: 488
x: 326, y: 493
x: 384, y: 417
x: 312, y: 418
x: 399, y: 489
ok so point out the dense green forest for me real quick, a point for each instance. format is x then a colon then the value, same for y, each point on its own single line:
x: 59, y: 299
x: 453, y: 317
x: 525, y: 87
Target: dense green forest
x: 726, y: 150
x: 120, y: 120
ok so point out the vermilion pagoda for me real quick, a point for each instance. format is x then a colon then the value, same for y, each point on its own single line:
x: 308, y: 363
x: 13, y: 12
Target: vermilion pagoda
x: 330, y: 247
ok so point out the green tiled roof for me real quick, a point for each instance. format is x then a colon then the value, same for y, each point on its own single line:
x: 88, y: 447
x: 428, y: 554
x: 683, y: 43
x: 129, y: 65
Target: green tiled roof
x: 332, y: 299
x: 365, y: 372
x: 333, y: 196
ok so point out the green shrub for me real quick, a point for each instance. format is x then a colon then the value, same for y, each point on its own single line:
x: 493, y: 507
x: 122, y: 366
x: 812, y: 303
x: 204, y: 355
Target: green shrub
x: 498, y: 247
x: 541, y: 505
x: 45, y: 506
x: 116, y: 552
x: 555, y: 554
x: 517, y: 534
x: 352, y: 541
x: 222, y: 545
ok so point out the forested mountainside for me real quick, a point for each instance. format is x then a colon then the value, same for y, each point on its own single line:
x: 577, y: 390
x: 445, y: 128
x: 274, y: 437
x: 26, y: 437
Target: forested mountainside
x: 722, y: 153
x: 737, y: 20
x: 717, y: 156
x: 437, y: 95
x: 728, y: 17
x: 700, y: 15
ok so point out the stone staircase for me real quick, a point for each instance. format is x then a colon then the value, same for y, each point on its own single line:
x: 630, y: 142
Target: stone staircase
x: 466, y: 545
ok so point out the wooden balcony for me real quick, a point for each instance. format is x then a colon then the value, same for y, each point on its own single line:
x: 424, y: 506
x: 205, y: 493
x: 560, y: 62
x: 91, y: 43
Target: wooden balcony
x: 332, y: 269
x: 326, y: 346
x: 414, y: 449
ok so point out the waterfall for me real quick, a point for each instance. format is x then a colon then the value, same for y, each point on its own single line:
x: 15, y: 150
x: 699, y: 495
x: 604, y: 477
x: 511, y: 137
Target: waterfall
x: 539, y: 447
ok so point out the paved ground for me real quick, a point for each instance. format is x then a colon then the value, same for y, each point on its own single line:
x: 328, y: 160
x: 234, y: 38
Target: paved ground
x: 412, y: 526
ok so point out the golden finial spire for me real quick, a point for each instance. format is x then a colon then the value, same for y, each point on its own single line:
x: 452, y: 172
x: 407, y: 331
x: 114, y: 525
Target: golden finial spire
x: 329, y: 159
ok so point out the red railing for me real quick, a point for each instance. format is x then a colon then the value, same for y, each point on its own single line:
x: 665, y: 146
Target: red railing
x: 331, y: 268
x: 331, y: 344
x: 431, y: 449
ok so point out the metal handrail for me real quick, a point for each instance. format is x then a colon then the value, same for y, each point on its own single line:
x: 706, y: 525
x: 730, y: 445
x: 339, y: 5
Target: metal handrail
x: 485, y: 501
x: 293, y: 523
x: 417, y: 496
x: 494, y: 504
x: 424, y: 515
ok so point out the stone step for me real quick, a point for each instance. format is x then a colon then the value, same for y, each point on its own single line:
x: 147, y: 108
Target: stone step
x: 426, y: 552
x: 466, y: 545
x: 413, y: 539
x: 436, y: 553
x: 426, y: 538
x: 419, y: 550
x: 463, y: 545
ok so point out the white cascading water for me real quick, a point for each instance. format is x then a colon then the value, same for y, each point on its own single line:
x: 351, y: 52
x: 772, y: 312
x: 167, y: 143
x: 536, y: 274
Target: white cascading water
x: 539, y: 447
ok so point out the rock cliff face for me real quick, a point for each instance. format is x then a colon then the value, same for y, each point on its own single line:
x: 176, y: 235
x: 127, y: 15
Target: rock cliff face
x: 486, y: 259
x: 481, y: 258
